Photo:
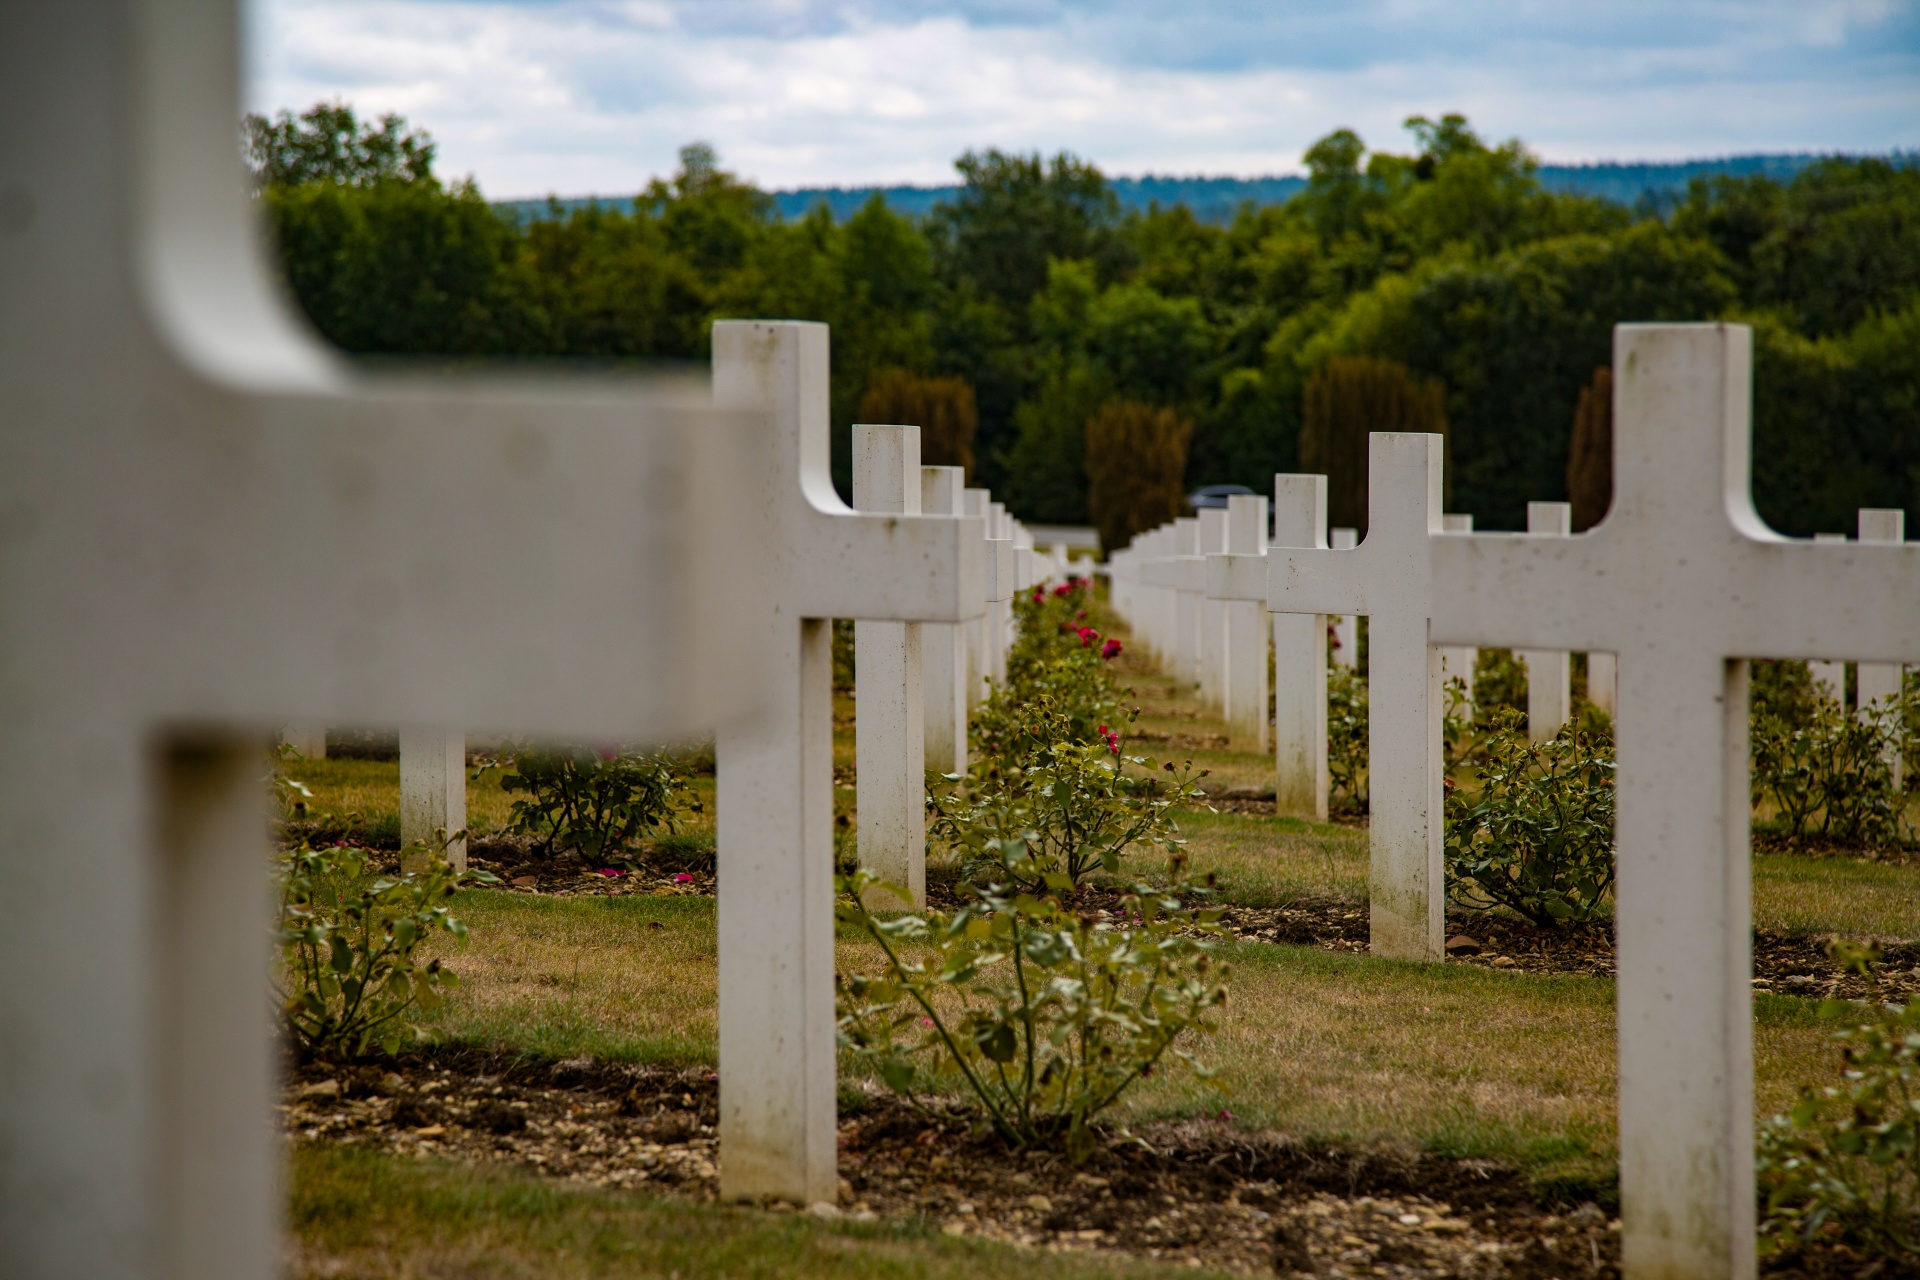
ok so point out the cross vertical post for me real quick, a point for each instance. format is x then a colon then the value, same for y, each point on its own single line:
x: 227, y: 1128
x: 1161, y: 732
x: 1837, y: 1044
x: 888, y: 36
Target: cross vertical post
x: 1212, y: 532
x: 889, y: 716
x: 943, y: 646
x: 775, y: 776
x: 1828, y: 676
x: 1549, y: 681
x: 1346, y: 627
x: 1187, y: 599
x: 1246, y: 697
x: 1301, y: 778
x: 1683, y: 582
x: 1457, y: 662
x: 1879, y: 682
x: 433, y: 795
x: 1387, y: 577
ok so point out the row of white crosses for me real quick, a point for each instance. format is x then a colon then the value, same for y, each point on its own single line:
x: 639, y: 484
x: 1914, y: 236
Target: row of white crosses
x: 915, y: 683
x: 1678, y: 586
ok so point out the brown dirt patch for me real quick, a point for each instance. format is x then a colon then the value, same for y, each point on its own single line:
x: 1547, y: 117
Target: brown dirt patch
x: 1202, y: 1192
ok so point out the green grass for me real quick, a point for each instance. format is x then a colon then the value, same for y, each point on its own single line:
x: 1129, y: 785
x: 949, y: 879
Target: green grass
x: 1272, y: 861
x: 1456, y: 1059
x: 357, y: 1213
x: 1835, y: 895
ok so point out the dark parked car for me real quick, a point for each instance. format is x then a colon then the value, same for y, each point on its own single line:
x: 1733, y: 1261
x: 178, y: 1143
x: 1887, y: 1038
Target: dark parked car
x: 1216, y: 495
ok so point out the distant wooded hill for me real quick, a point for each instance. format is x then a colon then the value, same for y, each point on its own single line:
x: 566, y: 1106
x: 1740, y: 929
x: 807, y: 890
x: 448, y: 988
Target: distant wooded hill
x: 1215, y: 200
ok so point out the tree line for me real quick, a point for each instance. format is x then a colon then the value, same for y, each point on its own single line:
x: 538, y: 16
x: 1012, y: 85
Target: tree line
x: 1035, y: 327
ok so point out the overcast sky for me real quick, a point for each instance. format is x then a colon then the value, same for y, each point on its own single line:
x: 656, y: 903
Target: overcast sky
x: 579, y: 96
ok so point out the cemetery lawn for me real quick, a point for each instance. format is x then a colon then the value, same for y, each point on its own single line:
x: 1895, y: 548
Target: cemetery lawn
x: 1454, y: 1059
x: 1321, y: 1042
x: 359, y: 1213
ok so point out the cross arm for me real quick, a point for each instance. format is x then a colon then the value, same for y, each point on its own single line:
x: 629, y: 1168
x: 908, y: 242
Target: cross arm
x: 1739, y: 595
x: 1316, y: 580
x: 998, y: 562
x: 1175, y: 573
x: 406, y: 550
x: 904, y: 568
x: 1237, y: 577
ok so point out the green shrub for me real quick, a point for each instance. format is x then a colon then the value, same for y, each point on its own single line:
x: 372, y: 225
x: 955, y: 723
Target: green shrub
x: 1347, y: 739
x: 1044, y: 1015
x: 1499, y: 683
x: 1830, y: 763
x: 1057, y: 656
x: 1536, y: 835
x: 1783, y: 690
x: 1073, y: 806
x: 348, y: 938
x: 595, y: 800
x: 1846, y: 1160
x: 844, y: 670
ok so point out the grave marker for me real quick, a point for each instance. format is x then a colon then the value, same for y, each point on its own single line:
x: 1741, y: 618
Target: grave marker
x: 1387, y: 578
x: 1211, y: 532
x: 1829, y: 678
x: 1459, y: 662
x: 1549, y: 674
x: 775, y: 784
x: 433, y: 795
x: 1346, y: 627
x: 889, y: 718
x: 1683, y: 582
x: 211, y: 527
x: 943, y: 646
x: 1299, y: 647
x: 1247, y: 703
x: 1877, y: 681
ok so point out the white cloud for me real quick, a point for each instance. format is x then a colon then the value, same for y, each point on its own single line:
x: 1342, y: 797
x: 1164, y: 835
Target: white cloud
x: 590, y: 95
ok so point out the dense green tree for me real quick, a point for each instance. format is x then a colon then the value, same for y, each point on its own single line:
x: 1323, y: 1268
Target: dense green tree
x: 1034, y: 291
x: 406, y: 268
x: 327, y: 143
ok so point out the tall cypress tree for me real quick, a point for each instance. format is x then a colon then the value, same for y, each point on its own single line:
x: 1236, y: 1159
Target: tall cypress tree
x: 1347, y: 399
x: 1590, y: 452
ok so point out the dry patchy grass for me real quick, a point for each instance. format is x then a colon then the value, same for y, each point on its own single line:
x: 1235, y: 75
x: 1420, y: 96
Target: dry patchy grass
x: 1453, y: 1058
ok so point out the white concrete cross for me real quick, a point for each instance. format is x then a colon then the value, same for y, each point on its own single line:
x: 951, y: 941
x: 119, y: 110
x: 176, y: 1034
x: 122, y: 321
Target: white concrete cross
x: 1683, y: 582
x: 1244, y: 696
x: 943, y: 646
x: 1299, y: 647
x: 1458, y: 663
x: 1828, y: 676
x: 1387, y: 578
x: 1549, y: 673
x: 433, y: 794
x: 1877, y: 681
x: 1602, y: 680
x: 1346, y: 627
x: 1212, y: 614
x: 775, y: 785
x: 889, y: 717
x: 211, y: 527
x: 1178, y: 573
